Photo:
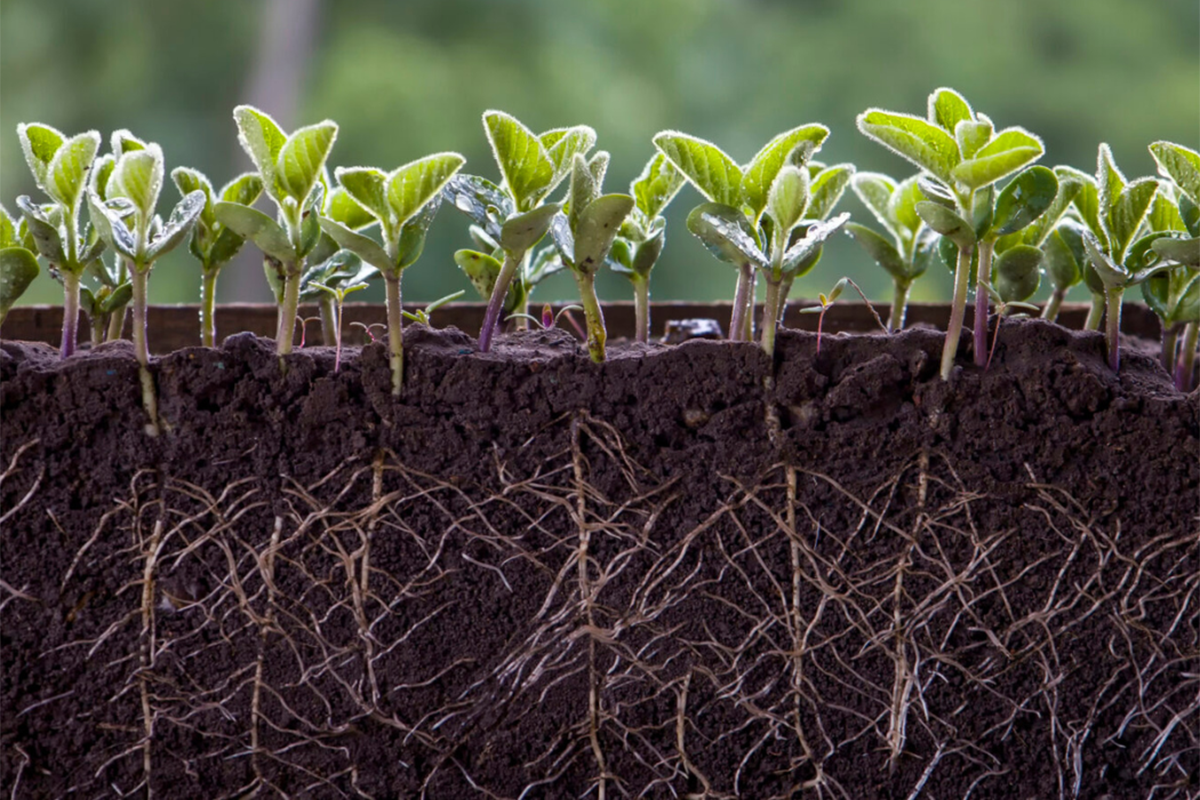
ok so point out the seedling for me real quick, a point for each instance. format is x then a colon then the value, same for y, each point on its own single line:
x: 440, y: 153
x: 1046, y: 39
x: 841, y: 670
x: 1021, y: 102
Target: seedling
x: 1065, y: 262
x: 643, y: 234
x: 422, y: 315
x: 1003, y: 308
x: 60, y: 166
x: 213, y: 243
x: 289, y: 167
x: 106, y: 303
x: 102, y: 304
x: 510, y: 219
x: 961, y: 150
x: 18, y: 263
x: 769, y: 216
x: 331, y: 281
x: 127, y: 221
x: 825, y: 302
x: 913, y: 246
x: 584, y: 235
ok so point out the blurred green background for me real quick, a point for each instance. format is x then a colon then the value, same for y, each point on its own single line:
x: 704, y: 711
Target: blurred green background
x: 404, y: 79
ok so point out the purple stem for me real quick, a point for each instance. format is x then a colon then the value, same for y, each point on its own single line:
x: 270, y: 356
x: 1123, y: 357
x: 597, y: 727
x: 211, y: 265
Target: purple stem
x: 496, y: 302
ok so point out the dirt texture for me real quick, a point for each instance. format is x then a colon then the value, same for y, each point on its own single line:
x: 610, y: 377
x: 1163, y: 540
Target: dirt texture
x: 689, y: 572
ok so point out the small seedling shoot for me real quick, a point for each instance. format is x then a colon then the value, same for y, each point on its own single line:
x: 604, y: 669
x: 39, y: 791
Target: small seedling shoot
x: 289, y: 167
x: 826, y: 301
x: 643, y: 234
x: 212, y: 243
x: 404, y: 203
x: 510, y: 219
x: 584, y: 234
x: 329, y: 282
x: 423, y: 315
x: 964, y: 157
x: 769, y: 216
x: 18, y: 262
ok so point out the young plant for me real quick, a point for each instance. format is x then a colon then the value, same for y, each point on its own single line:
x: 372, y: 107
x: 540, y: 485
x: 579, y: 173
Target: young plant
x: 60, y: 167
x: 769, y: 216
x: 128, y: 222
x: 404, y: 202
x: 213, y: 243
x: 913, y: 246
x: 423, y: 315
x: 113, y: 288
x: 584, y: 235
x: 1064, y: 261
x: 289, y: 167
x: 962, y: 151
x: 825, y: 302
x: 18, y: 263
x: 508, y: 220
x: 1003, y: 309
x: 643, y: 234
x: 330, y: 282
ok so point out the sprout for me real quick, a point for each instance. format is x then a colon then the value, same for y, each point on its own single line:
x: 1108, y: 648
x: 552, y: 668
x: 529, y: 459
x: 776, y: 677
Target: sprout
x: 422, y: 315
x: 60, y: 167
x: 510, y: 219
x: 643, y: 234
x: 769, y: 216
x: 213, y: 243
x: 289, y: 167
x: 964, y: 157
x: 404, y: 203
x: 1003, y: 308
x: 825, y: 302
x: 125, y: 218
x: 18, y: 263
x: 584, y: 234
x: 331, y: 280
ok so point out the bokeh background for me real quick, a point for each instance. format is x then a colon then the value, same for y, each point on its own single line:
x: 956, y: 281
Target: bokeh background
x: 405, y: 78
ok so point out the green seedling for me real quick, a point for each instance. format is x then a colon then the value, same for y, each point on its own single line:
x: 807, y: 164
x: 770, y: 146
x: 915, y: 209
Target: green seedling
x: 913, y: 245
x: 584, y: 235
x: 768, y: 216
x: 101, y: 304
x: 962, y: 151
x: 18, y: 261
x: 113, y: 285
x: 330, y: 282
x: 212, y: 243
x: 1064, y: 262
x: 290, y: 168
x: 1003, y: 309
x: 825, y: 302
x: 643, y: 234
x: 422, y: 315
x: 60, y: 168
x: 510, y: 219
x: 404, y: 203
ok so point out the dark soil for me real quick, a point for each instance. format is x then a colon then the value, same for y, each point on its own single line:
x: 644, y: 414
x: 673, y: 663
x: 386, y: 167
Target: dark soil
x: 686, y: 572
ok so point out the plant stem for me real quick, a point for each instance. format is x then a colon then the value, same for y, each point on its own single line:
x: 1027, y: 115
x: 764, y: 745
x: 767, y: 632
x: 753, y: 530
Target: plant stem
x: 116, y: 324
x: 496, y: 301
x: 337, y: 329
x: 98, y: 323
x: 208, y: 302
x: 962, y: 274
x: 1050, y: 312
x: 984, y: 280
x: 770, y: 320
x: 141, y: 350
x: 596, y: 333
x: 287, y: 310
x: 1187, y: 357
x: 395, y: 330
x: 1170, y: 338
x: 70, y: 328
x: 330, y: 335
x: 641, y: 308
x: 748, y: 319
x: 899, y: 306
x: 1095, y: 313
x: 737, y: 318
x: 1112, y: 301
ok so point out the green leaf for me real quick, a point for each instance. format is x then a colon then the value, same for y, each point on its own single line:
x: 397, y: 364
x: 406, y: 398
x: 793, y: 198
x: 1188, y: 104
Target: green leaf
x: 412, y: 186
x: 947, y: 108
x: 562, y: 145
x: 647, y: 253
x: 523, y: 231
x: 1181, y: 165
x: 1006, y: 153
x: 947, y: 223
x: 413, y: 232
x: 481, y: 269
x: 189, y: 180
x: 100, y: 174
x: 921, y: 142
x: 138, y: 176
x: 364, y: 247
x: 263, y: 140
x: 39, y: 143
x: 1164, y: 211
x: 1037, y: 231
x: 252, y: 224
x: 656, y: 186
x: 367, y: 186
x: 123, y: 141
x: 1017, y: 274
x: 8, y: 229
x: 18, y: 268
x: 108, y: 217
x: 45, y: 234
x: 1180, y: 251
x: 804, y: 254
x: 178, y: 225
x: 66, y: 175
x: 880, y: 250
x: 726, y: 233
x: 902, y: 206
x: 1112, y: 274
x: 225, y: 247
x: 788, y: 199
x: 583, y: 190
x: 303, y: 155
x: 598, y: 225
x: 1189, y: 212
x: 117, y: 298
x: 1063, y: 256
x: 245, y: 189
x: 598, y: 166
x: 1109, y: 181
x: 972, y: 136
x: 481, y: 200
x: 343, y: 208
x: 1128, y: 211
x: 523, y: 161
x: 875, y: 191
x: 935, y: 191
x: 714, y: 174
x: 760, y: 173
x: 826, y: 190
x: 1026, y: 198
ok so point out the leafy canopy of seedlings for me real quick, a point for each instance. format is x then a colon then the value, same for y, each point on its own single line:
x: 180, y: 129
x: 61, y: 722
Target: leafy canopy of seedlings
x: 112, y: 289
x: 18, y: 262
x: 963, y: 155
x: 404, y: 203
x: 769, y: 216
x: 644, y: 234
x: 213, y: 243
x: 510, y: 219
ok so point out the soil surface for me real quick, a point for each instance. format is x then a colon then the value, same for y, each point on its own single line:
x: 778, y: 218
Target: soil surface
x: 688, y: 572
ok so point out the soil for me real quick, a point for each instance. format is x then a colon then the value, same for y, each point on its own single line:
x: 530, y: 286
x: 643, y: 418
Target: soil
x: 690, y: 571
